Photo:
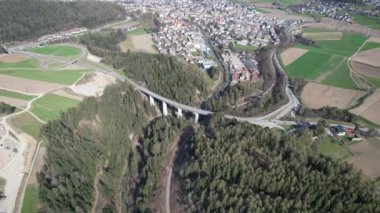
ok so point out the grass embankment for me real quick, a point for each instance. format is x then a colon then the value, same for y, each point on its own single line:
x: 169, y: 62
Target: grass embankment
x: 49, y: 106
x: 56, y: 50
x: 30, y: 202
x: 327, y: 56
x: 28, y: 63
x: 27, y: 123
x: 329, y: 147
x: 11, y: 94
x: 65, y: 77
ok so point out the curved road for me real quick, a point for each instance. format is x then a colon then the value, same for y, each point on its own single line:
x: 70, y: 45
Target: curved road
x: 265, y: 121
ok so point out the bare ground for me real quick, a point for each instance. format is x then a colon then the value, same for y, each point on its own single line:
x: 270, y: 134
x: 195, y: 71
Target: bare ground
x: 66, y: 92
x: 12, y: 58
x: 93, y: 84
x: 26, y: 85
x: 93, y: 58
x: 143, y: 43
x: 332, y: 24
x: 366, y: 69
x: 366, y: 157
x: 370, y: 57
x: 315, y: 96
x: 292, y: 54
x: 370, y: 108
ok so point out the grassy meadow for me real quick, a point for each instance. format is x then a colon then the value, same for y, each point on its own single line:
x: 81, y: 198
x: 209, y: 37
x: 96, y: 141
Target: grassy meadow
x: 27, y: 123
x: 28, y: 63
x: 49, y: 106
x: 11, y: 94
x: 327, y: 57
x: 56, y: 50
x: 65, y: 77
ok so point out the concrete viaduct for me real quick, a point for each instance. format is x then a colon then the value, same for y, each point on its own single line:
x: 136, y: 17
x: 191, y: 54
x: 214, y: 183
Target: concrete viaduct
x: 165, y: 102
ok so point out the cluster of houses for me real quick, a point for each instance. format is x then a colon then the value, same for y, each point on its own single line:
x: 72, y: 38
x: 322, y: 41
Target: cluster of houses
x: 341, y: 131
x: 337, y: 9
x: 332, y: 9
x: 180, y: 38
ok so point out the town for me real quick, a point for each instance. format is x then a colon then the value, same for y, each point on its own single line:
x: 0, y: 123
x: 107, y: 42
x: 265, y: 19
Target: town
x: 195, y: 30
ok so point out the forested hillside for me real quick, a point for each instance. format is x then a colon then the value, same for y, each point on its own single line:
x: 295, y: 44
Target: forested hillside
x: 27, y: 19
x: 164, y: 74
x: 89, y: 148
x: 105, y: 154
x: 239, y: 167
x: 104, y: 42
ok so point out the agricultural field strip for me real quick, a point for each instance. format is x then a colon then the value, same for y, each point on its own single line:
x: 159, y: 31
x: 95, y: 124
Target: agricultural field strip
x: 324, y: 49
x: 59, y: 76
x: 56, y: 50
x: 15, y: 94
x: 49, y: 106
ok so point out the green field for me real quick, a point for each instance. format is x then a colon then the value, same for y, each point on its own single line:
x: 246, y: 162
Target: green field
x: 308, y: 65
x: 16, y: 95
x: 340, y: 77
x: 30, y: 202
x: 138, y: 31
x: 49, y: 106
x: 347, y: 46
x: 66, y: 77
x: 56, y: 50
x: 28, y: 124
x: 369, y: 45
x: 28, y: 63
x: 248, y: 48
x: 331, y: 148
x: 369, y: 21
x: 327, y: 56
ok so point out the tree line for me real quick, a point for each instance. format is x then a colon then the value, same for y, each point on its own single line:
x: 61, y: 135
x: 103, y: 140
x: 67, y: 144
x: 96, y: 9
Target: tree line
x: 31, y: 19
x: 240, y: 167
x: 6, y: 108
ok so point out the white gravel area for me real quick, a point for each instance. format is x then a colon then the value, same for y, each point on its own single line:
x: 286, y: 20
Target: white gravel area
x: 94, y: 86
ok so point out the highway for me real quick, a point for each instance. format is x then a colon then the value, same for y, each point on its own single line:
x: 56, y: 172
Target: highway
x: 265, y: 121
x: 271, y: 120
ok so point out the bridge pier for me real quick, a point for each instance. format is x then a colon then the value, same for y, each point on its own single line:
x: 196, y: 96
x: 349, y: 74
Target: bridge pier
x: 164, y: 109
x: 196, y: 117
x: 179, y: 113
x: 151, y: 100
